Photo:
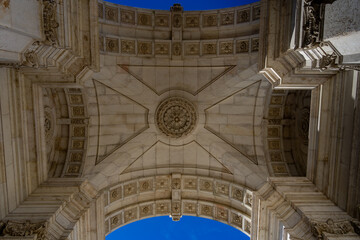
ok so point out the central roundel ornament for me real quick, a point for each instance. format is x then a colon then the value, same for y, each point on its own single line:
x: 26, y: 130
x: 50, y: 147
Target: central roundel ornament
x: 176, y: 117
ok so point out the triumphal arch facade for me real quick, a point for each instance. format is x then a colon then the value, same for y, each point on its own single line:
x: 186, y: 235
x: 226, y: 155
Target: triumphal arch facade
x: 248, y: 115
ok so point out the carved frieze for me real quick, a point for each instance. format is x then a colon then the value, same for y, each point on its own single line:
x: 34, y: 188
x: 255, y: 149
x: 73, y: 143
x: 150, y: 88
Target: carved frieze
x: 162, y: 48
x: 237, y: 194
x: 128, y: 46
x: 50, y: 21
x: 176, y: 49
x: 130, y: 215
x: 221, y: 214
x: 112, y: 45
x: 115, y: 194
x: 210, y: 20
x: 226, y: 47
x: 23, y: 229
x: 111, y: 14
x: 190, y: 183
x: 209, y: 48
x: 192, y: 21
x: 243, y: 15
x: 276, y: 157
x: 274, y: 144
x: 236, y: 219
x: 146, y: 210
x: 162, y: 20
x: 162, y: 207
x: 279, y: 168
x: 162, y: 182
x: 206, y: 210
x: 273, y: 132
x: 127, y: 16
x: 227, y: 18
x: 115, y: 221
x: 177, y: 21
x: 192, y: 49
x: 130, y: 189
x: 144, y: 48
x: 190, y: 207
x: 242, y: 46
x: 146, y: 185
x: 144, y: 19
x: 222, y: 188
x: 206, y: 185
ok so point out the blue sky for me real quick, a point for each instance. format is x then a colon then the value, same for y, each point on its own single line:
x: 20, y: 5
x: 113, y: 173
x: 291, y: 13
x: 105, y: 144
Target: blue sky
x: 187, y: 4
x: 188, y: 228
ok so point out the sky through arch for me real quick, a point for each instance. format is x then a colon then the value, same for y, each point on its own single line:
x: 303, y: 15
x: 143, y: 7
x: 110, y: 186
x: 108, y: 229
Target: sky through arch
x: 189, y: 5
x: 188, y: 228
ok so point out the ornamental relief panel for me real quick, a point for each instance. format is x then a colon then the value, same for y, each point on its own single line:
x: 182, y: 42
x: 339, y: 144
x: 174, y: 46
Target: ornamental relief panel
x: 162, y: 48
x: 209, y: 48
x: 192, y: 48
x: 112, y: 45
x: 226, y: 47
x: 144, y: 48
x: 242, y: 46
x: 111, y: 14
x: 128, y: 46
x: 210, y: 20
x: 192, y: 21
x: 144, y: 19
x: 227, y: 18
x: 162, y: 20
x: 127, y: 16
x: 243, y: 16
x: 146, y: 210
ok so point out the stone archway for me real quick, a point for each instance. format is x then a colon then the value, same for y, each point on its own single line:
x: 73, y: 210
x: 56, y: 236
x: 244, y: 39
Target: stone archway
x: 176, y: 195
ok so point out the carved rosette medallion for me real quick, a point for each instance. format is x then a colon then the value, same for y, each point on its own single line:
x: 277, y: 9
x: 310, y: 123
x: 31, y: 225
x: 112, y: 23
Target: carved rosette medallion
x: 176, y: 117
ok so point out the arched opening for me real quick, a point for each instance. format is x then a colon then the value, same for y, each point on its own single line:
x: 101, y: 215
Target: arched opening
x: 188, y: 5
x: 189, y: 227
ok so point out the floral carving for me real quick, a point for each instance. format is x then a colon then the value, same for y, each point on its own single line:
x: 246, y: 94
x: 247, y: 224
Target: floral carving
x: 227, y: 18
x: 50, y: 23
x: 176, y: 117
x: 243, y: 15
x: 242, y: 46
x: 111, y: 13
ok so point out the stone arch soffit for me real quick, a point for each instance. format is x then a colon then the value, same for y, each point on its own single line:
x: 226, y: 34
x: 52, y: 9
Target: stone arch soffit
x: 176, y: 195
x: 286, y: 129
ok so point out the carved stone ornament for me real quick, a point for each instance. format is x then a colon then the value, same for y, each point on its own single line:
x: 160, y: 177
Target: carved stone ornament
x: 176, y: 117
x: 331, y: 227
x: 313, y: 21
x: 23, y: 229
x: 49, y: 21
